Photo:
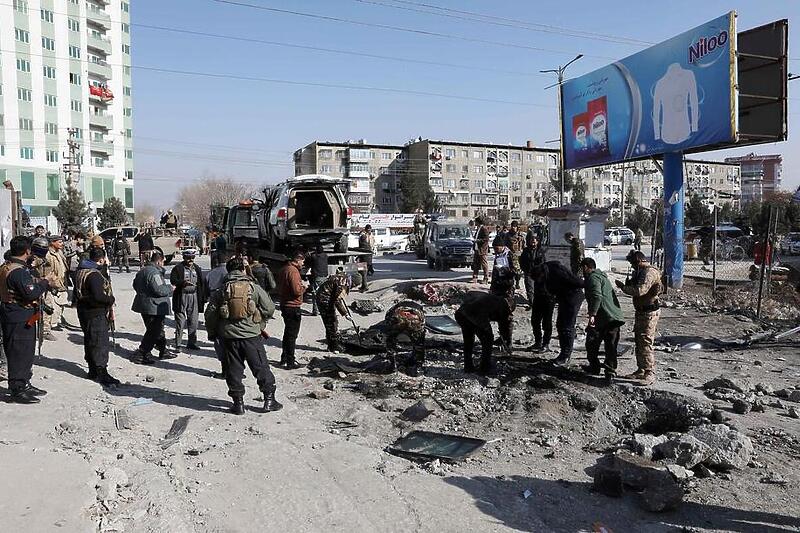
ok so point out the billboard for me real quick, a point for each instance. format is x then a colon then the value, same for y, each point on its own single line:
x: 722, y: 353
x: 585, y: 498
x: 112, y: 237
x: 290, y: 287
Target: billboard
x: 671, y: 97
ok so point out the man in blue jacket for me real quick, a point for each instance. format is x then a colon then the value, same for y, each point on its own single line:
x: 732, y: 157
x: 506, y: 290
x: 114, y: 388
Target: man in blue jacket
x: 152, y: 301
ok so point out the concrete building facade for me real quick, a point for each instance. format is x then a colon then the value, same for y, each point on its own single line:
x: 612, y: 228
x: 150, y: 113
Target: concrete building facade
x: 761, y: 175
x: 66, y: 64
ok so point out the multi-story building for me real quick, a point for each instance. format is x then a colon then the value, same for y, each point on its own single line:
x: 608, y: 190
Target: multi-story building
x: 66, y: 64
x: 761, y: 175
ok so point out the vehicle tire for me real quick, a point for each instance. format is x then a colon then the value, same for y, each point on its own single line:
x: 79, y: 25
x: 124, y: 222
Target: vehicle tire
x: 628, y: 242
x: 737, y: 254
x: 430, y: 263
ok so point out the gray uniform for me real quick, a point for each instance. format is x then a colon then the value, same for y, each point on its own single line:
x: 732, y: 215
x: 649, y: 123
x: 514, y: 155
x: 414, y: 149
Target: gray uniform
x: 186, y: 301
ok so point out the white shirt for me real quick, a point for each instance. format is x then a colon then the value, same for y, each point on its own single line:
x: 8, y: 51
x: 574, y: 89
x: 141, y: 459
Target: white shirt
x: 675, y: 105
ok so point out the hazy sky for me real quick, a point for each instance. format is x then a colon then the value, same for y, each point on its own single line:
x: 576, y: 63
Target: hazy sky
x: 231, y: 122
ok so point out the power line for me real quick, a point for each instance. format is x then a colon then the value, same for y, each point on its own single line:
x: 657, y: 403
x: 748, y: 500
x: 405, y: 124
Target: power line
x: 398, y: 28
x: 503, y: 21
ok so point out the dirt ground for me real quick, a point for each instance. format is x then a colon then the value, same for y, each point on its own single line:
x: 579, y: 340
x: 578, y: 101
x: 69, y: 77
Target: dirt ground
x: 320, y: 464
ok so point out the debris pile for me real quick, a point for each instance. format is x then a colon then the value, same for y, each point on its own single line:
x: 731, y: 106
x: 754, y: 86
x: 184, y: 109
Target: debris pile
x: 438, y: 293
x: 366, y: 307
x: 783, y: 304
x: 746, y: 397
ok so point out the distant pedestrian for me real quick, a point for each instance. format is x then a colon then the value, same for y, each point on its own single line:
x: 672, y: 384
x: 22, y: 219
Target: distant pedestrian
x: 366, y: 243
x: 291, y: 290
x: 502, y: 271
x: 261, y: 273
x: 532, y: 255
x: 480, y: 261
x: 567, y: 290
x: 146, y: 247
x: 169, y: 220
x: 644, y: 288
x: 187, y: 298
x: 238, y: 313
x: 122, y: 251
x: 475, y: 317
x: 94, y: 299
x: 637, y: 240
x: 576, y: 251
x: 54, y: 268
x: 152, y: 301
x: 516, y: 243
x: 605, y: 319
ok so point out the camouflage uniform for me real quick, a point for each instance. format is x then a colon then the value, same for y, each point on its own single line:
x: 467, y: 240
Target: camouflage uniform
x: 331, y: 298
x: 406, y: 317
x: 644, y: 287
x: 576, y: 252
x: 516, y: 243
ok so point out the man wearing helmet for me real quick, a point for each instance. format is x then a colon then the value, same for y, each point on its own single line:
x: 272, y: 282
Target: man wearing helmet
x: 187, y: 278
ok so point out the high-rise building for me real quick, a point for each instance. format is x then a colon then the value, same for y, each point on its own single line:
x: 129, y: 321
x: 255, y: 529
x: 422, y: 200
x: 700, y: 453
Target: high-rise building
x: 66, y: 65
x: 761, y: 175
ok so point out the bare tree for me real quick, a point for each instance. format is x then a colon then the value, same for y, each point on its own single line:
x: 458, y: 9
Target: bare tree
x: 144, y: 213
x: 195, y: 201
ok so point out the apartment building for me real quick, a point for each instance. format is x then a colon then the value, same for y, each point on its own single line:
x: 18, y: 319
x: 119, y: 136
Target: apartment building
x: 66, y: 64
x: 761, y: 175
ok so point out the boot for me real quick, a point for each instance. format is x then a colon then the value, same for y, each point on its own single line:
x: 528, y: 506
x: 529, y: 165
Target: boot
x: 92, y: 373
x: 23, y: 396
x: 562, y: 360
x: 35, y: 390
x: 593, y: 369
x: 469, y: 367
x: 270, y: 403
x: 192, y: 344
x: 638, y: 375
x: 166, y: 354
x: 105, y: 379
x: 292, y: 365
x: 141, y: 358
x: 49, y: 337
x: 238, y: 406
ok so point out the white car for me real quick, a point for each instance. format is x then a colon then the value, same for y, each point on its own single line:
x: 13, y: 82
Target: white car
x: 618, y: 236
x: 790, y: 245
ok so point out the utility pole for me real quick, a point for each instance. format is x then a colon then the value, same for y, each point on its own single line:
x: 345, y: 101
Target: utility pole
x: 560, y: 73
x: 72, y: 165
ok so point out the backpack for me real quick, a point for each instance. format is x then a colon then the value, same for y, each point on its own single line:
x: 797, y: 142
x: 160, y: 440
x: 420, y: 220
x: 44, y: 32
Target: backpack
x: 237, y: 301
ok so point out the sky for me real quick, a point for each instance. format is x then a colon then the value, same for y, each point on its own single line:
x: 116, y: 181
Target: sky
x: 238, y: 106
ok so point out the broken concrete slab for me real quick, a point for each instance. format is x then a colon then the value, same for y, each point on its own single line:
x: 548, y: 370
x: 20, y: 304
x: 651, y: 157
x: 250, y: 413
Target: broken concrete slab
x: 686, y: 451
x: 643, y: 444
x: 659, y: 490
x: 729, y: 448
x: 177, y: 429
x: 662, y: 493
x: 729, y: 382
x: 741, y: 407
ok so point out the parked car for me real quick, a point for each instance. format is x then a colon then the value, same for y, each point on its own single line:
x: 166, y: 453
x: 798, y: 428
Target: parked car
x: 618, y: 236
x: 169, y: 243
x: 448, y: 244
x: 790, y: 244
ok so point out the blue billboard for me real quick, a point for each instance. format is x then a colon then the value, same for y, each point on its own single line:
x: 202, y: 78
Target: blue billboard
x: 672, y: 97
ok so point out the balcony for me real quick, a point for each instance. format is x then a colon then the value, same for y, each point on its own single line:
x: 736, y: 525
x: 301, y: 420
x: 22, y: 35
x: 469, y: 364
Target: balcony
x: 104, y: 121
x: 99, y: 69
x: 101, y: 146
x: 358, y: 154
x: 98, y: 16
x: 100, y: 94
x: 104, y: 45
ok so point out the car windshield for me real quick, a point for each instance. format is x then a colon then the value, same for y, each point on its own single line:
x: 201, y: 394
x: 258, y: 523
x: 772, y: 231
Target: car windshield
x: 453, y: 232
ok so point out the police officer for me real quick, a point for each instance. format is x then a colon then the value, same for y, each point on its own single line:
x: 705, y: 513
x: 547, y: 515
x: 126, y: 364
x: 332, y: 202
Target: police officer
x: 238, y: 313
x: 330, y: 298
x: 19, y: 292
x: 516, y: 243
x: 366, y: 243
x: 474, y: 317
x: 406, y: 318
x: 55, y: 269
x: 95, y: 299
x: 187, y: 298
x: 644, y: 288
x: 152, y: 302
x: 567, y: 290
x: 122, y: 251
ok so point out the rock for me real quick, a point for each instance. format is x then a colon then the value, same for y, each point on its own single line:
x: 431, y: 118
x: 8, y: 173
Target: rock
x: 366, y: 307
x: 419, y: 411
x: 703, y: 471
x: 148, y: 378
x: 583, y: 401
x: 758, y: 363
x: 106, y: 490
x: 634, y: 470
x: 492, y: 383
x: 383, y: 406
x: 728, y: 382
x: 679, y: 473
x: 758, y: 406
x: 794, y: 396
x: 793, y: 412
x: 321, y: 394
x: 68, y: 426
x: 608, y: 482
x: 117, y: 476
x: 783, y: 393
x: 717, y: 417
x: 684, y: 450
x: 729, y: 448
x: 766, y: 388
x: 742, y: 407
x: 777, y: 403
x: 643, y: 444
x: 773, y: 478
x: 662, y: 493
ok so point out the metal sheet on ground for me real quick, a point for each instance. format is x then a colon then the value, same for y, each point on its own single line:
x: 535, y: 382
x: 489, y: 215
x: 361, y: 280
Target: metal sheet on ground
x: 430, y: 445
x: 442, y: 324
x: 179, y: 426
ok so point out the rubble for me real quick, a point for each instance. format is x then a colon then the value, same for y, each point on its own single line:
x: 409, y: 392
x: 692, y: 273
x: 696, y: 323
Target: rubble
x: 439, y: 292
x: 584, y: 401
x: 793, y: 412
x: 729, y: 382
x: 659, y: 489
x: 366, y: 307
x: 685, y: 451
x: 729, y: 447
x: 419, y: 411
x: 742, y: 407
x: 644, y: 444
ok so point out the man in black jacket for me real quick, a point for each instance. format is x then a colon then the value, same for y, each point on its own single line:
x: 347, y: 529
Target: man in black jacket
x: 542, y: 302
x: 146, y: 247
x: 152, y: 301
x: 474, y: 317
x: 567, y: 289
x: 187, y: 299
x: 95, y: 299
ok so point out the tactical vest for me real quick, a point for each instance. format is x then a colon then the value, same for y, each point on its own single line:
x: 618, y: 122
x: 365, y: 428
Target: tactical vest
x: 80, y: 281
x: 7, y: 295
x: 237, y: 302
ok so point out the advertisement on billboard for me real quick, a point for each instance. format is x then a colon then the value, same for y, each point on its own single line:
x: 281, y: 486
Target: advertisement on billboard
x: 672, y: 97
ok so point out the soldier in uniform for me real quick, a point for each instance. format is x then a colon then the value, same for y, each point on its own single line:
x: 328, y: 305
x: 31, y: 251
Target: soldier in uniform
x: 644, y: 288
x: 19, y: 292
x: 576, y: 251
x: 95, y: 299
x: 406, y: 318
x: 516, y: 243
x: 474, y: 317
x: 238, y: 313
x: 330, y: 298
x: 366, y: 243
x: 122, y: 251
x: 187, y: 298
x: 480, y: 260
x: 54, y: 268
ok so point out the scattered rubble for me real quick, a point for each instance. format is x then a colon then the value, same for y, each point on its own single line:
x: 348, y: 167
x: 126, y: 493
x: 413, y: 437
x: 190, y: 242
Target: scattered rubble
x: 366, y: 307
x: 729, y: 447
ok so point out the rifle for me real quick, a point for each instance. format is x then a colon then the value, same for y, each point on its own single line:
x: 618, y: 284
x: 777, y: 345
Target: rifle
x: 112, y: 322
x: 37, y: 320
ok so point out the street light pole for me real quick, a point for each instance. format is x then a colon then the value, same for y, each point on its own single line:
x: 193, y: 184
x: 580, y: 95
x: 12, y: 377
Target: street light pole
x: 560, y: 73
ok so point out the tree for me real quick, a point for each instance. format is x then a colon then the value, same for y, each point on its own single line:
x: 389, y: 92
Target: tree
x: 697, y: 214
x: 72, y: 211
x: 195, y: 200
x: 144, y: 213
x: 113, y: 213
x: 630, y: 196
x: 579, y: 191
x: 417, y: 194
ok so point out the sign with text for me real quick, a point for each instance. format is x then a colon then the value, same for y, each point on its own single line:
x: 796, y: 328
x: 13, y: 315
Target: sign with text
x: 672, y: 97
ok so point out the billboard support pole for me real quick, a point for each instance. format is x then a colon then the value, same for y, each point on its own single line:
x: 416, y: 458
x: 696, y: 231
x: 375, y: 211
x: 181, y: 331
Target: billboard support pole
x: 673, y: 219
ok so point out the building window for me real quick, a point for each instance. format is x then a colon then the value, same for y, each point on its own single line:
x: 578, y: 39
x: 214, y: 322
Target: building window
x: 450, y: 152
x: 477, y: 154
x: 126, y: 49
x: 126, y: 28
x: 516, y: 156
x: 50, y: 128
x: 129, y: 198
x: 53, y: 187
x: 325, y: 169
x: 465, y: 154
x: 450, y: 183
x: 465, y: 169
x: 49, y: 72
x: 97, y: 189
x: 127, y: 111
x: 25, y: 124
x: 23, y: 65
x: 28, y: 184
x: 539, y: 158
x: 129, y: 174
x: 52, y: 157
x: 50, y: 100
x: 540, y: 172
x: 386, y: 156
x: 325, y: 154
x: 340, y: 154
x: 76, y: 105
x: 128, y: 154
x: 74, y: 79
x: 48, y: 43
x: 26, y: 152
x: 74, y: 52
x: 477, y: 184
x: 47, y: 15
x: 477, y: 169
x: 125, y: 7
x: 73, y: 25
x: 126, y: 91
x: 23, y: 94
x: 126, y: 69
x: 21, y: 6
x: 129, y: 133
x: 450, y: 168
x: 22, y: 35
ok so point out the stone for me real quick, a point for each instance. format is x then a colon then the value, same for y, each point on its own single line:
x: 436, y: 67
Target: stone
x: 728, y: 382
x: 608, y: 482
x: 492, y: 383
x: 662, y: 493
x: 684, y: 450
x: 320, y: 394
x: 729, y: 447
x: 643, y: 444
x: 419, y: 411
x: 793, y: 412
x: 794, y: 396
x: 783, y: 393
x: 634, y: 470
x: 679, y: 473
x: 117, y: 476
x: 766, y: 388
x: 703, y: 471
x: 742, y: 407
x: 583, y: 401
x: 68, y: 426
x: 148, y: 378
x: 106, y: 490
